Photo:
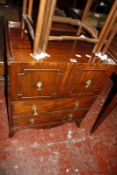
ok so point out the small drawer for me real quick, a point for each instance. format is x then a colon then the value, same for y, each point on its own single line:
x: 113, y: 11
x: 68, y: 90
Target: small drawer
x: 86, y: 80
x: 41, y: 119
x: 48, y: 118
x: 36, y: 81
x: 36, y: 107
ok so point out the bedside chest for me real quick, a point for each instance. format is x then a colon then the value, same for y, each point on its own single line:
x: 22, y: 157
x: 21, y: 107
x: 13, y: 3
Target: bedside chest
x: 51, y: 91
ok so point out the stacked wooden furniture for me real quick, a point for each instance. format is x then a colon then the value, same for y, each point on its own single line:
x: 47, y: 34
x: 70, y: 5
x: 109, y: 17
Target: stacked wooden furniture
x: 111, y: 101
x: 53, y: 79
x: 2, y: 50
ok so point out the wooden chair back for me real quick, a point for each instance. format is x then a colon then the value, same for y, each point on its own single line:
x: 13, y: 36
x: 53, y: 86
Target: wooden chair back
x: 45, y: 18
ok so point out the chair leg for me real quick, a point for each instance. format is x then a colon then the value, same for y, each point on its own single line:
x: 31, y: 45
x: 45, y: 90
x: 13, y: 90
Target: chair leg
x: 106, y: 29
x: 85, y: 14
x: 113, y: 33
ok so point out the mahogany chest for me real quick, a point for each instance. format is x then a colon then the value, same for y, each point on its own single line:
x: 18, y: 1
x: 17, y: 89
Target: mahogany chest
x: 54, y: 90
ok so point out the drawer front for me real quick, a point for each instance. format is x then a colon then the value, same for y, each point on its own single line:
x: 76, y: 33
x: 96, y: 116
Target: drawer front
x: 35, y: 83
x: 41, y: 119
x: 85, y: 81
x: 51, y: 118
x: 36, y: 107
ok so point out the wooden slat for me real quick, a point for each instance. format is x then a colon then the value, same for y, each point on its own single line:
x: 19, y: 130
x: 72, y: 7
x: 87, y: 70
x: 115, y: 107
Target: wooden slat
x: 39, y: 24
x: 107, y: 27
x: 85, y: 13
x: 113, y: 33
x: 30, y: 5
x: 24, y: 10
x: 29, y: 26
x: 71, y: 21
x: 60, y: 38
x: 1, y: 45
x: 51, y: 14
x: 45, y: 24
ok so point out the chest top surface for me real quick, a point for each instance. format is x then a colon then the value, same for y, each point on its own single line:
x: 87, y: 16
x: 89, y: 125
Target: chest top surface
x: 19, y: 49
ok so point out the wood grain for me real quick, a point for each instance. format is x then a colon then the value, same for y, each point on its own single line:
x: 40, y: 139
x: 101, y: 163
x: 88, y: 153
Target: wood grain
x: 67, y: 90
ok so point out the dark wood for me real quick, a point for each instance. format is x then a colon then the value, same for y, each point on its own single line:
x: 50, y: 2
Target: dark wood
x: 45, y: 17
x: 110, y: 21
x: 56, y: 105
x: 109, y: 105
x: 2, y: 50
x: 111, y: 37
x: 111, y: 100
x: 54, y: 90
x: 48, y: 118
x: 112, y: 50
x: 85, y: 13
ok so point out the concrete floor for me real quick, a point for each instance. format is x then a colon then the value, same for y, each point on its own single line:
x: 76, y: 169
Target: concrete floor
x: 62, y: 150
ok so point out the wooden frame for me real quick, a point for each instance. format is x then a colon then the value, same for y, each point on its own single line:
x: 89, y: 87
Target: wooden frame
x: 46, y: 17
x: 106, y: 28
x: 112, y: 35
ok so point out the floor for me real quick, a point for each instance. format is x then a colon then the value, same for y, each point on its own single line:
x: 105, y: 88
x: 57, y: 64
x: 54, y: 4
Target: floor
x: 62, y: 150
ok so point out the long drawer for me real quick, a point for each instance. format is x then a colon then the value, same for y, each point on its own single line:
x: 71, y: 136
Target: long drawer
x: 48, y: 118
x: 47, y: 106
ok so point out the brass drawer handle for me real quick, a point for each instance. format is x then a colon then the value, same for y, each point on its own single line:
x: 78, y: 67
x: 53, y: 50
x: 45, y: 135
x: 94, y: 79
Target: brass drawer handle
x: 39, y: 86
x: 31, y: 121
x: 76, y: 105
x: 70, y: 116
x: 34, y: 110
x: 88, y: 83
